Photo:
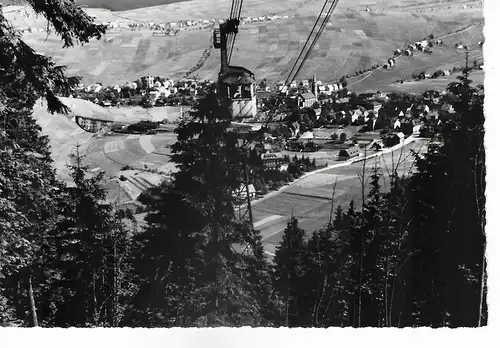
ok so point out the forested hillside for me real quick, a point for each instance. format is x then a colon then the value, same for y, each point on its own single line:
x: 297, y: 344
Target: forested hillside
x: 396, y: 260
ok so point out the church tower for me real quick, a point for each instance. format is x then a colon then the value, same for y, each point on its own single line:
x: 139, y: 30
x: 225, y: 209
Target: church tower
x: 314, y: 87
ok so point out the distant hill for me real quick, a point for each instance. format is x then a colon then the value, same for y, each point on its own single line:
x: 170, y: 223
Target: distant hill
x: 125, y: 5
x: 113, y: 5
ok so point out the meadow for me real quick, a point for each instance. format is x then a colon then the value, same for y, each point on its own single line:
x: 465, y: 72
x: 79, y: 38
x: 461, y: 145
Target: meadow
x: 419, y: 87
x: 109, y: 153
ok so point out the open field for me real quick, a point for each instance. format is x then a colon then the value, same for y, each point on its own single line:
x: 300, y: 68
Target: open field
x: 108, y: 153
x: 310, y: 198
x: 442, y: 57
x: 418, y: 87
x: 352, y: 41
x: 174, y: 10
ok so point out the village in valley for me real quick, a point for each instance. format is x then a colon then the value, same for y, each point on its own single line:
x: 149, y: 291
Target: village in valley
x: 256, y: 163
x: 322, y: 123
x: 318, y: 122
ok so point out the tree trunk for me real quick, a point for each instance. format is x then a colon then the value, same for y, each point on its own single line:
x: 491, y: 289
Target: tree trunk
x: 386, y: 292
x: 32, y: 302
x: 249, y: 204
x: 360, y: 289
x: 481, y: 297
x: 288, y: 283
x: 114, y: 308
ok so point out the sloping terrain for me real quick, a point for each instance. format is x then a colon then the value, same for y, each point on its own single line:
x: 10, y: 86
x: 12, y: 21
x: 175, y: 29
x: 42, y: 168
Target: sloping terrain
x: 353, y: 40
x: 419, y: 87
x: 108, y: 153
x: 63, y: 132
x: 124, y: 5
x: 442, y: 57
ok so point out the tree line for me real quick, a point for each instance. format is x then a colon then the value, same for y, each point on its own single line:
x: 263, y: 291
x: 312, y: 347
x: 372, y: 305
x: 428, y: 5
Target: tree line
x: 409, y: 255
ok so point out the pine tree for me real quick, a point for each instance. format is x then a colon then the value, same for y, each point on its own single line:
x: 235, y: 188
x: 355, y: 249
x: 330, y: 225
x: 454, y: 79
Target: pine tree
x: 288, y: 270
x: 29, y: 191
x: 198, y: 278
x: 92, y: 254
x: 447, y: 233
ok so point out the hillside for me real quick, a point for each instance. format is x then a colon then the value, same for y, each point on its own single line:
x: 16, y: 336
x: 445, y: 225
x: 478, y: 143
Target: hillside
x: 124, y: 5
x: 63, y: 132
x: 109, y: 153
x: 352, y: 42
x: 113, y: 5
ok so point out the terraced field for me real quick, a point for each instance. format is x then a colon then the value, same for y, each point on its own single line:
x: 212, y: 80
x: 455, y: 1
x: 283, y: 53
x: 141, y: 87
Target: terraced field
x: 109, y: 153
x: 353, y: 41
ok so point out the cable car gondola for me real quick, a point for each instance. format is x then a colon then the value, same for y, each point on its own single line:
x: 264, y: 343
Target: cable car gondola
x: 236, y: 83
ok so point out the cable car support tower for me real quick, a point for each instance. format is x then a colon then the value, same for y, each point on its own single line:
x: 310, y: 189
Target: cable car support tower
x: 236, y: 85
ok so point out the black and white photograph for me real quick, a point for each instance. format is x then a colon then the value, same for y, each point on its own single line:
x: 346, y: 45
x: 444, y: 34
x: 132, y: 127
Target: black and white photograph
x: 243, y: 163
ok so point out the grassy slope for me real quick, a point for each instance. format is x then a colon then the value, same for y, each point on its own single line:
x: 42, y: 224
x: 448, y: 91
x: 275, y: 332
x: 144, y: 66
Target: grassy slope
x: 124, y: 5
x: 443, y: 57
x: 269, y: 49
x: 441, y: 83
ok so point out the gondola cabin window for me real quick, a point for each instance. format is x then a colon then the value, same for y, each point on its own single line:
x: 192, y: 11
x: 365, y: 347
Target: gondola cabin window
x: 246, y: 91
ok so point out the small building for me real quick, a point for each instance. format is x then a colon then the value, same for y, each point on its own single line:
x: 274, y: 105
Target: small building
x: 376, y: 107
x: 376, y: 145
x: 349, y: 153
x: 241, y: 193
x: 306, y: 100
x: 408, y: 53
x: 448, y: 108
x: 393, y: 139
x: 416, y: 130
x: 397, y: 125
x: 272, y: 160
x: 423, y: 43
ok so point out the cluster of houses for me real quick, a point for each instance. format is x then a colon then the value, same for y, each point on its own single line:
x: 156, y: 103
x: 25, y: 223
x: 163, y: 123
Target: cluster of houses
x: 173, y: 27
x: 390, y: 63
x: 305, y: 92
x: 423, y: 46
x: 153, y: 88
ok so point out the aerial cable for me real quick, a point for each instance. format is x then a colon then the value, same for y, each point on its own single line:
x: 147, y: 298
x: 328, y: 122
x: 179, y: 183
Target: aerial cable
x: 232, y: 9
x: 235, y: 14
x: 325, y: 21
x: 323, y: 25
x: 305, y: 44
x: 271, y: 112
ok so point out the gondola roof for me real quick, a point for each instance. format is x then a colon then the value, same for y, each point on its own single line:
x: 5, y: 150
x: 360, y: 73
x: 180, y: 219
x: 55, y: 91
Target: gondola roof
x: 238, y: 74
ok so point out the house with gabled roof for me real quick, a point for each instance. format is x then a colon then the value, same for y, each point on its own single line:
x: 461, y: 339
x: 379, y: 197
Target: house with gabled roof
x: 306, y: 99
